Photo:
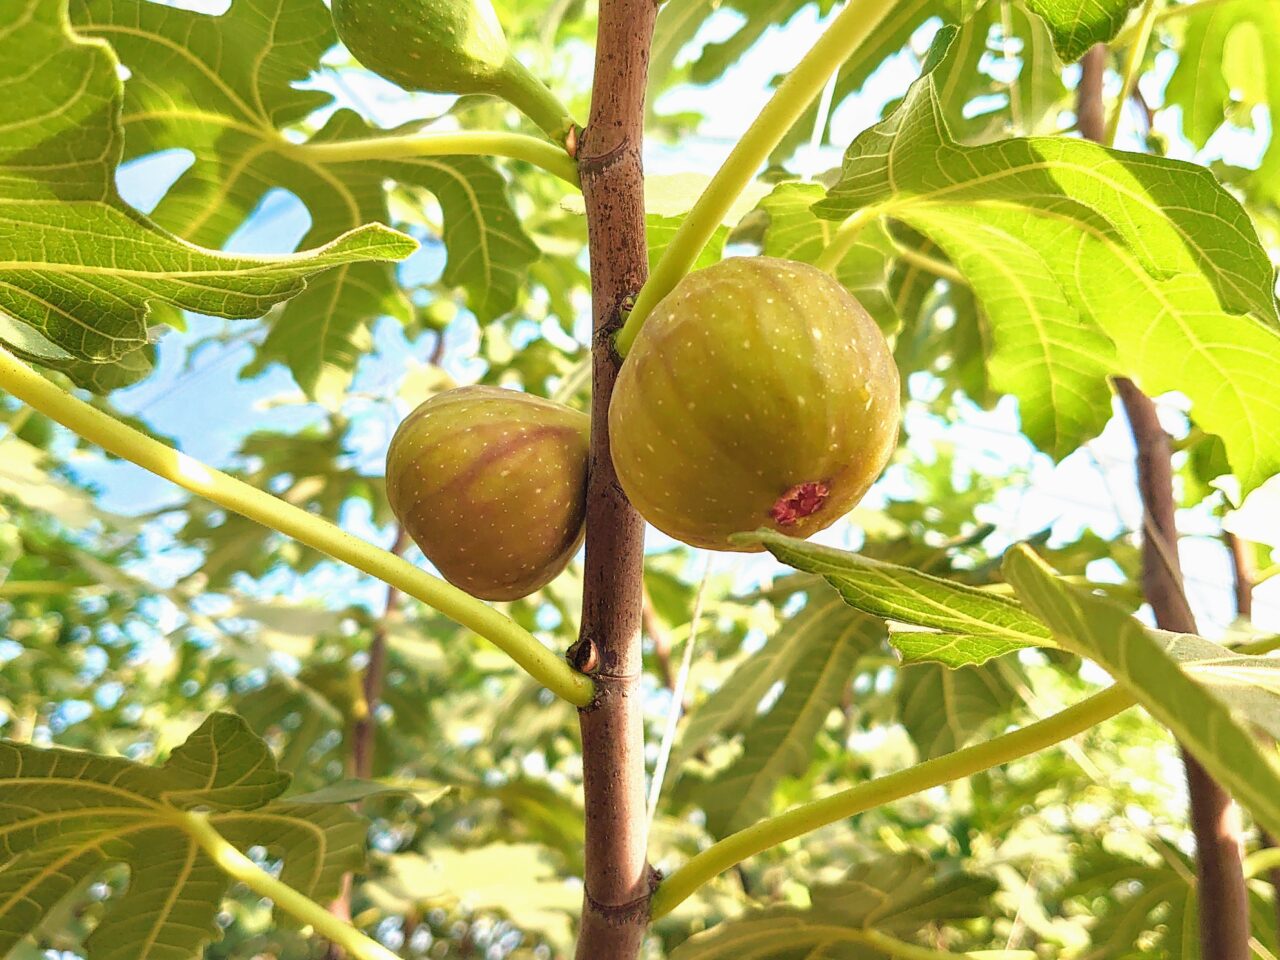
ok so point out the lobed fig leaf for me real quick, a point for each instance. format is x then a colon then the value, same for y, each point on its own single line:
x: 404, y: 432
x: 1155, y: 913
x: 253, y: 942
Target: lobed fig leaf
x: 445, y: 46
x: 759, y: 393
x: 491, y: 485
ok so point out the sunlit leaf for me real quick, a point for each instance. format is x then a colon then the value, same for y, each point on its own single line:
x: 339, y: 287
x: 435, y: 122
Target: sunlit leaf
x: 954, y: 624
x: 227, y: 88
x: 80, y: 267
x: 1207, y: 718
x: 1078, y: 24
x: 1229, y: 64
x: 1087, y: 261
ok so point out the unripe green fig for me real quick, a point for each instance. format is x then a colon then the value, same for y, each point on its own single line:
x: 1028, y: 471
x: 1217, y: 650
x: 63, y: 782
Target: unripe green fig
x: 491, y: 485
x: 759, y: 393
x: 445, y: 46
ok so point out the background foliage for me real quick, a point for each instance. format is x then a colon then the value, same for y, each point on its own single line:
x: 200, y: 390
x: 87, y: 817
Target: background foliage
x: 130, y: 615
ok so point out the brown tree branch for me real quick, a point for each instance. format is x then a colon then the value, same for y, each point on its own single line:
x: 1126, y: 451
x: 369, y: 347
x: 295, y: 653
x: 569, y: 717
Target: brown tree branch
x: 619, y: 880
x: 1242, y: 576
x: 1091, y: 110
x: 1215, y: 819
x: 364, y: 728
x: 364, y: 734
x: 653, y: 626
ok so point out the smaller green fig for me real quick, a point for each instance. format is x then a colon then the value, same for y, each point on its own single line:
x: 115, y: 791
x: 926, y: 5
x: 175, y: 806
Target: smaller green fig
x: 491, y: 485
x: 759, y: 393
x: 445, y: 46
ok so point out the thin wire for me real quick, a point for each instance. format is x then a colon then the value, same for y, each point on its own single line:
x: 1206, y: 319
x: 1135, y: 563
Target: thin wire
x: 677, y: 699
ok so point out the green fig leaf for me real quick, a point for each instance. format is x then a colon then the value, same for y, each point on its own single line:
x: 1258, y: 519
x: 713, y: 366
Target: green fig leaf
x: 893, y: 896
x: 944, y: 709
x: 1210, y: 698
x: 81, y: 269
x: 1229, y: 64
x: 822, y: 645
x: 1087, y: 262
x: 944, y: 621
x: 227, y: 89
x: 1078, y: 24
x: 67, y: 815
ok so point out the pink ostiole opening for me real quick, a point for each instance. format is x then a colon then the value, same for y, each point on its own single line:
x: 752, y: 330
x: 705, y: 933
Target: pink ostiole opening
x: 802, y: 500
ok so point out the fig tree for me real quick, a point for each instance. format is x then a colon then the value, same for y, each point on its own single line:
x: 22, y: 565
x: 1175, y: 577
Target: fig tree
x: 759, y: 393
x: 445, y: 46
x: 491, y: 485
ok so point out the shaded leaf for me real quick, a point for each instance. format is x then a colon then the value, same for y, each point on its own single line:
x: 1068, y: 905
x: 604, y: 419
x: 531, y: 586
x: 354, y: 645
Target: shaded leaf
x: 893, y: 895
x: 778, y: 742
x: 65, y: 816
x: 943, y: 709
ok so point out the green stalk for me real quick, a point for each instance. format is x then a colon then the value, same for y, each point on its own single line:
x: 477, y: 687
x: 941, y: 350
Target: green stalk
x: 1133, y: 66
x: 843, y: 239
x: 482, y: 143
x: 534, y: 99
x: 808, y: 817
x: 235, y: 864
x: 235, y: 495
x: 789, y: 101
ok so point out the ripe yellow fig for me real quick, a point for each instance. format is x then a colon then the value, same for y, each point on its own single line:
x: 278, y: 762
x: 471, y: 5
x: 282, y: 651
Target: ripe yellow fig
x: 444, y: 46
x: 759, y: 393
x: 491, y: 485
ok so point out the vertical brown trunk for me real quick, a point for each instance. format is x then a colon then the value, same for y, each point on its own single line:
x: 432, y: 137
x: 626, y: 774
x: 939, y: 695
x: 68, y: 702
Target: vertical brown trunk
x: 1215, y: 819
x: 619, y: 880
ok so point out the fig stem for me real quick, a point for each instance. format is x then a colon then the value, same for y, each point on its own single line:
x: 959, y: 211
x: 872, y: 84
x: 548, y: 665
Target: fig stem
x: 236, y: 865
x: 844, y: 238
x: 535, y: 100
x: 808, y: 817
x: 483, y: 143
x: 1132, y: 67
x: 97, y: 427
x: 803, y: 85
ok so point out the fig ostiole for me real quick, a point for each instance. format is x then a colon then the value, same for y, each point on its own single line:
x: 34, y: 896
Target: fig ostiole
x: 491, y: 485
x: 759, y: 393
x: 446, y: 46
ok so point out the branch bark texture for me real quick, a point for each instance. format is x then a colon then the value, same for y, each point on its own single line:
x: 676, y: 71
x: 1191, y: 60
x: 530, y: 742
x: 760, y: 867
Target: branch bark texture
x: 1215, y: 819
x: 619, y: 880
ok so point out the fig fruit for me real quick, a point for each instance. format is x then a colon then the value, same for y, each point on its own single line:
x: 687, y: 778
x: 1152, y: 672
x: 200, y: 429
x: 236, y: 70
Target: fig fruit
x: 759, y: 393
x: 445, y: 46
x: 491, y: 485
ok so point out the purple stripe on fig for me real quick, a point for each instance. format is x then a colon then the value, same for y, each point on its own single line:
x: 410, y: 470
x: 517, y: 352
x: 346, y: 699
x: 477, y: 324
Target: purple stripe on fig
x: 491, y: 485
